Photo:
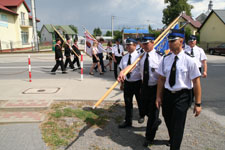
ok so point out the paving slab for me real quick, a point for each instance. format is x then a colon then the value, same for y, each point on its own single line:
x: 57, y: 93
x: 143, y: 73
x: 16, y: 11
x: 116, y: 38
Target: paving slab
x: 26, y: 105
x: 21, y: 117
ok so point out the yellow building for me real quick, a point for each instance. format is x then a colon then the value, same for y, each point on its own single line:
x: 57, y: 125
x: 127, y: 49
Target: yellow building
x: 16, y: 31
x: 212, y: 31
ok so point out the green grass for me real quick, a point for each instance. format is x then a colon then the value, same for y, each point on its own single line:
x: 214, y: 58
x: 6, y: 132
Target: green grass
x: 55, y: 131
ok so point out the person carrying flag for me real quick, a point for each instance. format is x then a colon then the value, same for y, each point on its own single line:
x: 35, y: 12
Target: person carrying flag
x: 76, y: 58
x: 67, y: 55
x: 58, y: 57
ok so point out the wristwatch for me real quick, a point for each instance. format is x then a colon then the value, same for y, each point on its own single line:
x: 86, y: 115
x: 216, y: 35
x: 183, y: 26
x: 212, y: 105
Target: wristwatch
x: 198, y: 105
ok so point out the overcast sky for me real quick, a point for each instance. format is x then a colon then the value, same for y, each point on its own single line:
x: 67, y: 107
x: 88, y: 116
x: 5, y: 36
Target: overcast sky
x: 97, y: 13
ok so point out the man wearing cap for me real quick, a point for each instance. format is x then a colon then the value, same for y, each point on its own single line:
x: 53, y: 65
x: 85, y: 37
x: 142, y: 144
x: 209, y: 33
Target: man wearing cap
x: 198, y: 53
x: 117, y: 52
x: 138, y: 47
x: 178, y: 70
x: 132, y: 83
x: 58, y: 57
x: 67, y: 55
x: 148, y: 65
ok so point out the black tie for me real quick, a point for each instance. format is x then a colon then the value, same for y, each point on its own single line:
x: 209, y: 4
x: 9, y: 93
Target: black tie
x: 118, y: 49
x: 146, y: 71
x: 128, y: 63
x: 192, y: 52
x: 172, y: 78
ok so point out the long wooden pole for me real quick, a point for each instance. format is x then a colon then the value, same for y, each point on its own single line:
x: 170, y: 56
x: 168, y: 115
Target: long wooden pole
x: 134, y: 64
x: 65, y: 41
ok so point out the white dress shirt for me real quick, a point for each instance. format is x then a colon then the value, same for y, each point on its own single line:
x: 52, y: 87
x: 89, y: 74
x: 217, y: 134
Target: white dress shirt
x: 135, y: 74
x: 100, y: 48
x: 199, y: 54
x: 186, y: 71
x: 115, y: 50
x: 154, y: 59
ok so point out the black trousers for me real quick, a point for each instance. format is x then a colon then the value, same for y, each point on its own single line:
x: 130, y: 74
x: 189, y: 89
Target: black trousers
x: 148, y: 95
x: 68, y: 60
x: 58, y: 63
x: 174, y: 110
x: 131, y: 89
x: 76, y: 60
x: 118, y: 59
x: 100, y: 56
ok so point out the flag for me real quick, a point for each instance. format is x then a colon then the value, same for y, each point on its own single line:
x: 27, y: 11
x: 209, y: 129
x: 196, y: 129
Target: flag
x: 163, y: 45
x: 89, y: 43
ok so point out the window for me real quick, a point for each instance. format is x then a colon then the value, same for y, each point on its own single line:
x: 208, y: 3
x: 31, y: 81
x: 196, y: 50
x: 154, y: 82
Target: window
x: 22, y: 18
x: 24, y: 36
x: 3, y: 20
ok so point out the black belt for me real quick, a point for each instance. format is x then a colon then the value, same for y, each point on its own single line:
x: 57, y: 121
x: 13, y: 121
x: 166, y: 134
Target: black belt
x: 176, y: 92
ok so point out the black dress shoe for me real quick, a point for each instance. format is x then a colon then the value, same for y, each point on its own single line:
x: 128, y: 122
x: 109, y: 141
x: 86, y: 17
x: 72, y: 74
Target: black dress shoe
x: 141, y: 120
x: 64, y: 72
x: 125, y: 125
x: 147, y: 143
x: 53, y: 73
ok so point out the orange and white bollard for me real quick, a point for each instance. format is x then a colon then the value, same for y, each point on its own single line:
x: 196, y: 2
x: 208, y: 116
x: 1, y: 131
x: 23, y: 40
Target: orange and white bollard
x: 29, y: 66
x: 81, y: 64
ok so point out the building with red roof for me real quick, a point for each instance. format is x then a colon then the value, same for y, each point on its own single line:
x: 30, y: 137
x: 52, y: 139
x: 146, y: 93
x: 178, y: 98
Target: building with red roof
x: 188, y: 22
x: 15, y: 25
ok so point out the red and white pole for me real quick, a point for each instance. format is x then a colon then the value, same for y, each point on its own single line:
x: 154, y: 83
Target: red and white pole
x: 29, y: 65
x: 82, y: 65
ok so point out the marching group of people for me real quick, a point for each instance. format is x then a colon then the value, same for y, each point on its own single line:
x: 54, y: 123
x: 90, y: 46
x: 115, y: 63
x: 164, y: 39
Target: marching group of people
x: 69, y: 50
x: 170, y: 81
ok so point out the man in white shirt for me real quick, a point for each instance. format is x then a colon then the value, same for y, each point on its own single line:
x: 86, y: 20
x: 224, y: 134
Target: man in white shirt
x: 178, y: 70
x: 148, y: 65
x: 198, y: 53
x: 132, y: 83
x: 117, y: 52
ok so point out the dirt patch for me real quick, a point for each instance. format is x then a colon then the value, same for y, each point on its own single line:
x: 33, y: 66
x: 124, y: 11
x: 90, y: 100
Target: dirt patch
x: 76, y: 126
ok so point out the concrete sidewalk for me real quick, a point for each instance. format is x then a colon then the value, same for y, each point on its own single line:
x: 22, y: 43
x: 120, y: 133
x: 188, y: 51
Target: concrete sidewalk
x: 61, y: 89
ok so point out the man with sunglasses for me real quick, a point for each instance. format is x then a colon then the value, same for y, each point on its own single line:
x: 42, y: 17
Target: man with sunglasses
x: 132, y: 83
x: 179, y: 73
x: 198, y: 53
x: 148, y: 65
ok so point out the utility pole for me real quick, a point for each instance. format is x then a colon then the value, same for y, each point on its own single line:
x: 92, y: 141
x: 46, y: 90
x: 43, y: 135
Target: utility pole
x: 112, y: 26
x: 34, y: 25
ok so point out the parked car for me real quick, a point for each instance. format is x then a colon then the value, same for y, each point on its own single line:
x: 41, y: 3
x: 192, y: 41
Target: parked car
x: 220, y: 49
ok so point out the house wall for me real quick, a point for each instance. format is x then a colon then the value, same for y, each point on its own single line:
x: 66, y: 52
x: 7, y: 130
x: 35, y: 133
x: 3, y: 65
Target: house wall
x: 10, y: 30
x: 45, y: 35
x: 212, y: 33
x: 193, y: 29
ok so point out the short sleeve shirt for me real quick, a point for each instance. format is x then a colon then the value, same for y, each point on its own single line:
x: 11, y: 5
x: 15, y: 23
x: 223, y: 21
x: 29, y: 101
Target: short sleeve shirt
x: 186, y: 70
x: 199, y: 54
x: 135, y: 74
x: 154, y: 61
x: 116, y: 52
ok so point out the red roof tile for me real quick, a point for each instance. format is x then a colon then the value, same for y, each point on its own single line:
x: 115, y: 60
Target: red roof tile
x: 14, y: 3
x: 6, y: 9
x: 30, y: 17
x: 194, y: 23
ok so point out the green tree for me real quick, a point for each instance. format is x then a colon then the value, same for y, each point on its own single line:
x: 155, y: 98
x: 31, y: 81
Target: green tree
x: 150, y: 29
x: 174, y: 9
x: 97, y: 32
x: 108, y: 33
x: 187, y: 34
x: 117, y: 35
x: 39, y: 34
x: 74, y: 28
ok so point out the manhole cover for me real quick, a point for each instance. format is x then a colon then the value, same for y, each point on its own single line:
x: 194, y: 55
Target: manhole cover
x: 41, y: 91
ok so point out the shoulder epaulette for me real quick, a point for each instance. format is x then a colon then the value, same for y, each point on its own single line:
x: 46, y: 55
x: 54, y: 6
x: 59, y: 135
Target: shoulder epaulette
x: 167, y: 54
x: 188, y: 54
x: 160, y: 53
